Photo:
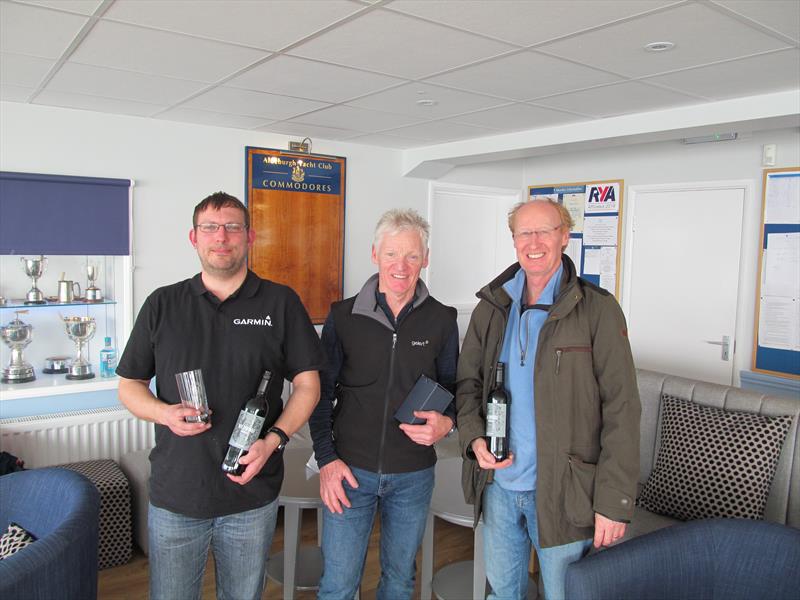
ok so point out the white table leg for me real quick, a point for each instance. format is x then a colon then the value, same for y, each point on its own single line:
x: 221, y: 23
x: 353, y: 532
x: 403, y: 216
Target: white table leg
x: 478, y: 565
x: 291, y: 548
x: 426, y: 591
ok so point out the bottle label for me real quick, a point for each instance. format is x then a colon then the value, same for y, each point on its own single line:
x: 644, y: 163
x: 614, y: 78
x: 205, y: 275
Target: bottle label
x: 496, y: 420
x: 248, y: 426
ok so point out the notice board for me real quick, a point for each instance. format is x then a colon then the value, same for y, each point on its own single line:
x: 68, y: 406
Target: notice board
x: 596, y: 209
x: 296, y: 204
x: 777, y: 319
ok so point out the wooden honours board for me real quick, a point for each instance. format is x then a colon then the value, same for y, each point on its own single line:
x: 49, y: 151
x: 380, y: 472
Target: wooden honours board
x: 296, y: 205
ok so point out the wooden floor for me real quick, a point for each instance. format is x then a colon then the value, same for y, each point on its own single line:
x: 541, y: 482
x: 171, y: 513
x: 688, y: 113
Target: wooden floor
x: 452, y: 543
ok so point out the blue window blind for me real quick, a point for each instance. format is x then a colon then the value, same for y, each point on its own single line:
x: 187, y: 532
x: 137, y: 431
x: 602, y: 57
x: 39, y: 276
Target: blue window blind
x: 59, y: 214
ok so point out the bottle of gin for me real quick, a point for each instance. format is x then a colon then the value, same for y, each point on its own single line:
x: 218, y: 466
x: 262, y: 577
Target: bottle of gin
x: 108, y: 360
x: 498, y: 407
x: 248, y: 427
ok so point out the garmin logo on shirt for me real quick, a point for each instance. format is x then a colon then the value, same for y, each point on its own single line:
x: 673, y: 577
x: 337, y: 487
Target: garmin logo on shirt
x: 265, y: 321
x: 420, y: 343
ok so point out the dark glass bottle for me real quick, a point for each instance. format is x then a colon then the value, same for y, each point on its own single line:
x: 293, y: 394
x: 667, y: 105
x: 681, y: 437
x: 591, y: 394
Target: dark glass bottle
x: 498, y: 411
x: 248, y: 427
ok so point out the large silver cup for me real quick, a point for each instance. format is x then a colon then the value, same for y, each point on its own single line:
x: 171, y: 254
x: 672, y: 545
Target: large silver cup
x: 17, y: 335
x: 93, y: 293
x: 80, y: 330
x: 34, y: 268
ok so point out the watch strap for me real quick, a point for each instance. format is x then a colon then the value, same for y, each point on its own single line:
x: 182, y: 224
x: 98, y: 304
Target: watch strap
x: 281, y: 434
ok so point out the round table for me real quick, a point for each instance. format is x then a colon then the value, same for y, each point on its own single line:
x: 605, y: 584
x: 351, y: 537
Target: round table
x: 296, y: 567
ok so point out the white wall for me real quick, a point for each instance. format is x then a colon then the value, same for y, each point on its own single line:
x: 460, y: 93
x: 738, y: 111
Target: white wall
x: 175, y: 165
x: 665, y: 162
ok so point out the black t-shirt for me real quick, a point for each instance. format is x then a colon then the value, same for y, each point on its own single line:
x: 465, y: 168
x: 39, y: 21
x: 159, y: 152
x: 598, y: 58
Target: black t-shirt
x: 182, y: 327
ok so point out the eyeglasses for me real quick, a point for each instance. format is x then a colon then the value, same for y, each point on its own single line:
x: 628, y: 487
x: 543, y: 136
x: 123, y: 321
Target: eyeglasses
x: 214, y: 227
x: 545, y: 233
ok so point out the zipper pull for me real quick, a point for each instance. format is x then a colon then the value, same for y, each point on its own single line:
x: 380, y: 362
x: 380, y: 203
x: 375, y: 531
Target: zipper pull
x: 558, y: 359
x: 394, y: 340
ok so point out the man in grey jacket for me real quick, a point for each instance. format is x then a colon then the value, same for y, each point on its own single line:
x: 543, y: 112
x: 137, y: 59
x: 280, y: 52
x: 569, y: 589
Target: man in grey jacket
x: 574, y: 433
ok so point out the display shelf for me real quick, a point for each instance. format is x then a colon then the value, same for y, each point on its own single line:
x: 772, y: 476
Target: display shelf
x: 19, y: 303
x: 55, y: 385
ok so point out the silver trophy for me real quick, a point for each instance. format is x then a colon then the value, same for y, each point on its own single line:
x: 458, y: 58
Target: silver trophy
x: 17, y: 335
x: 80, y: 330
x: 93, y: 293
x: 34, y: 268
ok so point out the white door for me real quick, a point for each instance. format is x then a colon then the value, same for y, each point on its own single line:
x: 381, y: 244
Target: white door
x: 681, y: 277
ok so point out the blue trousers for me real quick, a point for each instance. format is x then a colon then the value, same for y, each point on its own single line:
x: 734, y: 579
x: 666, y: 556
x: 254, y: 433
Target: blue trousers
x: 179, y: 551
x: 403, y: 500
x: 510, y: 527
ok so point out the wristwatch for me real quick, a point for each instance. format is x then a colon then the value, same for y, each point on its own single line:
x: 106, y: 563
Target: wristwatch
x: 281, y: 434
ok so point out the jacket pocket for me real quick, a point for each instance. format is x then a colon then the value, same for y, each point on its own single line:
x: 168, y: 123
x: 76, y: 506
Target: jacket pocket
x: 567, y: 349
x: 473, y: 480
x: 579, y: 492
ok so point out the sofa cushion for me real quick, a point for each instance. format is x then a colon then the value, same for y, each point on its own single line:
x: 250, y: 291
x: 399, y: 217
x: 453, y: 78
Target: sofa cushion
x: 713, y: 462
x: 14, y: 539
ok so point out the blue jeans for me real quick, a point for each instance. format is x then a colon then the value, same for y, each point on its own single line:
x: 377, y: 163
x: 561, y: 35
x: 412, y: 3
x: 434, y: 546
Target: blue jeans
x: 404, y: 499
x: 179, y: 551
x: 510, y: 526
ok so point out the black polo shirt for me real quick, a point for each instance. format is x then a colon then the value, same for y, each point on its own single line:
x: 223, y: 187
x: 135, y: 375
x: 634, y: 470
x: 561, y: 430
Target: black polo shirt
x: 181, y: 327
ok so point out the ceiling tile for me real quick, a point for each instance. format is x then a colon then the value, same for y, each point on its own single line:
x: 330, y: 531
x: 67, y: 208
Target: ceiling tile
x: 517, y: 117
x: 618, y: 99
x: 781, y: 15
x: 395, y: 44
x: 388, y: 141
x: 271, y: 25
x: 762, y: 74
x: 125, y: 85
x: 131, y: 48
x: 523, y: 76
x: 357, y: 119
x: 15, y: 93
x: 440, y: 131
x: 310, y: 79
x: 525, y: 23
x: 84, y: 7
x: 205, y: 117
x: 96, y: 103
x: 17, y: 69
x: 254, y: 104
x: 701, y: 35
x: 311, y: 131
x: 37, y: 31
x: 403, y: 100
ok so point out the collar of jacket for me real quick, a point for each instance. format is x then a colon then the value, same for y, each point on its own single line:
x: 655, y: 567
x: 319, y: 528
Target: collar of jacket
x: 569, y: 293
x: 366, y: 305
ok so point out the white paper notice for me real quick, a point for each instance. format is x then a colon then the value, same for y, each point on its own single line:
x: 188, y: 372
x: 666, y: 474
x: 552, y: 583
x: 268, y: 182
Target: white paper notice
x: 602, y: 197
x: 573, y: 250
x: 591, y: 261
x: 608, y: 260
x: 782, y: 268
x: 608, y: 281
x: 783, y: 198
x: 574, y: 205
x: 600, y: 231
x: 779, y: 323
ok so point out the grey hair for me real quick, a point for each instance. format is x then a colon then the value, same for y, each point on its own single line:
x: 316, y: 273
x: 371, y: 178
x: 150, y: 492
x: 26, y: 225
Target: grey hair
x: 402, y: 219
x: 563, y: 213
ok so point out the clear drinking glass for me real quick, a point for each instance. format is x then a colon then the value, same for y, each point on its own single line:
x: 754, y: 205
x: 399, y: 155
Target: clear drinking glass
x: 192, y: 391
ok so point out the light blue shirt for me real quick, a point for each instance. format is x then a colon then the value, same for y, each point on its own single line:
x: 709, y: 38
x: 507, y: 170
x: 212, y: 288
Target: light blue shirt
x: 519, y: 355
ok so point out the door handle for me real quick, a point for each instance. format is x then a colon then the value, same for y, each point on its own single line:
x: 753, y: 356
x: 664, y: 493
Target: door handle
x: 726, y: 346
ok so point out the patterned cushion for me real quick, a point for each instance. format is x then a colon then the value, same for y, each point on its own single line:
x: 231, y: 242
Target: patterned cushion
x: 712, y: 462
x: 13, y: 540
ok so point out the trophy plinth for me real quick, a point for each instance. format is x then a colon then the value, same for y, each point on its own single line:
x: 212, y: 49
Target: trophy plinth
x: 80, y: 330
x: 34, y: 268
x: 17, y: 335
x: 93, y: 293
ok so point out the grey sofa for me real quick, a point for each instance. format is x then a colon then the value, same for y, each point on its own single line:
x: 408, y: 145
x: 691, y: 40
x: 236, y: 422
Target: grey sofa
x: 783, y: 503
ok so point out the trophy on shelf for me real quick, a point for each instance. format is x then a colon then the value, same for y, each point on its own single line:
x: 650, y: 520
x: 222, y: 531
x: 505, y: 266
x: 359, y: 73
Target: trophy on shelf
x: 34, y: 268
x: 93, y: 293
x: 17, y: 335
x: 80, y: 330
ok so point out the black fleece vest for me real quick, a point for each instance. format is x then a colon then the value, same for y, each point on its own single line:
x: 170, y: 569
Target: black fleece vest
x: 379, y: 370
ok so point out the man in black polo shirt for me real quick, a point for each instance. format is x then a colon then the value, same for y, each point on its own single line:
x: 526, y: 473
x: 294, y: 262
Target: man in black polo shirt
x: 233, y: 325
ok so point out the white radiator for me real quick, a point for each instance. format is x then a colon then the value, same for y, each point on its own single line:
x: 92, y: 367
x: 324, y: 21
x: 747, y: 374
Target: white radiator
x: 46, y: 440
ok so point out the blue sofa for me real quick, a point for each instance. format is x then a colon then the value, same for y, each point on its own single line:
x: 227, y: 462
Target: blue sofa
x: 61, y: 509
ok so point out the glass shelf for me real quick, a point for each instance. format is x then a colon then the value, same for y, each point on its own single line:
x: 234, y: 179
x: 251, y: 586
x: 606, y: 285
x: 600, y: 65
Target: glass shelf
x: 18, y: 303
